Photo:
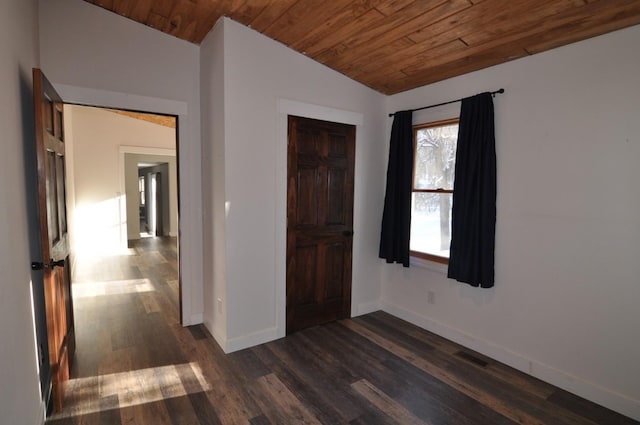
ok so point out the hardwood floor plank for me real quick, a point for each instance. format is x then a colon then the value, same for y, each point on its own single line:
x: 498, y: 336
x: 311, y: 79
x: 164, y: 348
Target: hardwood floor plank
x: 116, y: 361
x: 198, y: 332
x: 204, y: 410
x: 425, y: 394
x: 280, y: 396
x: 108, y: 403
x: 329, y: 394
x: 445, y: 376
x: 169, y: 383
x: 260, y: 420
x: 251, y: 365
x: 525, y: 382
x: 451, y: 359
x: 84, y: 397
x: 356, y: 353
x: 230, y: 391
x: 142, y: 414
x: 484, y: 380
x: 426, y: 397
x: 319, y: 405
x: 109, y: 414
x: 436, y: 401
x: 136, y: 364
x: 150, y: 303
x: 373, y: 417
x: 386, y: 404
x: 587, y: 409
x: 181, y: 411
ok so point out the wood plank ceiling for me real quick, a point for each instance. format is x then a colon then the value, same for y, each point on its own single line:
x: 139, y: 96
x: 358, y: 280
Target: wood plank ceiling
x: 395, y: 45
x: 163, y: 120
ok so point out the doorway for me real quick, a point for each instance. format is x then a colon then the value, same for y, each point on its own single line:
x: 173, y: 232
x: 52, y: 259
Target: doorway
x: 320, y: 171
x: 155, y: 197
x: 104, y: 170
x: 106, y: 270
x: 104, y: 201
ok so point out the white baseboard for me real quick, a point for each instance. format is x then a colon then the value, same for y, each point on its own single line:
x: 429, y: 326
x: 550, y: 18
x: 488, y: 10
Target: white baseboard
x: 366, y: 308
x: 221, y: 340
x: 590, y: 391
x: 195, y: 319
x: 246, y: 341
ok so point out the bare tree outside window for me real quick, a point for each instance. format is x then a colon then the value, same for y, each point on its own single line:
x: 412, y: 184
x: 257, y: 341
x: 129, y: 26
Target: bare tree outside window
x: 434, y: 166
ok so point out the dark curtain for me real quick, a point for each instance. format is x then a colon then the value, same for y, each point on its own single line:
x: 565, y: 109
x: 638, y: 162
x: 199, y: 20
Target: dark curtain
x: 396, y: 218
x: 473, y: 222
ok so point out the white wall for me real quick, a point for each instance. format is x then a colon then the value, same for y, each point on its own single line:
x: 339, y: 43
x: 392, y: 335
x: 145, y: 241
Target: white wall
x: 263, y: 82
x: 20, y: 400
x: 98, y: 205
x: 212, y: 84
x: 566, y: 296
x: 96, y: 57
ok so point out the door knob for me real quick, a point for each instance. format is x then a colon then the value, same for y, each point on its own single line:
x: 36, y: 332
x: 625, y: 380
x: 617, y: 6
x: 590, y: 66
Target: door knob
x: 347, y: 233
x: 36, y: 265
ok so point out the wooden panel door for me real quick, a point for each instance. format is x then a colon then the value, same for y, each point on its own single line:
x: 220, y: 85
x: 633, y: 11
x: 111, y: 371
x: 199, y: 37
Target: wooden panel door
x: 55, y: 264
x: 319, y: 221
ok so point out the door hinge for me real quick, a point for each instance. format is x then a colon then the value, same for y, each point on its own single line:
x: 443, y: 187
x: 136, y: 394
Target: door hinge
x: 37, y: 265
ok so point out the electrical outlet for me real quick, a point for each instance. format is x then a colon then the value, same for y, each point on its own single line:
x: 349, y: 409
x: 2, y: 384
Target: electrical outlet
x: 219, y: 305
x: 431, y: 297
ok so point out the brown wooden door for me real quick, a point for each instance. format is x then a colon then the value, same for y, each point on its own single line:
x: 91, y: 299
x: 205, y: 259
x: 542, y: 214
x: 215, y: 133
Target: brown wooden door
x: 319, y: 221
x: 50, y: 151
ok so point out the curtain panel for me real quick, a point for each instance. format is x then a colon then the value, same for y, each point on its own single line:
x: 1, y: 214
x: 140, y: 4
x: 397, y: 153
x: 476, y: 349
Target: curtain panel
x: 474, y: 195
x: 396, y: 218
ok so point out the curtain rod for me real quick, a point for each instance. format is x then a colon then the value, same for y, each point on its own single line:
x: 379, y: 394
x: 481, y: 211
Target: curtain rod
x: 493, y: 93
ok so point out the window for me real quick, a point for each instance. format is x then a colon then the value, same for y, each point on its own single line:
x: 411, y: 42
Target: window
x: 141, y: 189
x: 433, y: 173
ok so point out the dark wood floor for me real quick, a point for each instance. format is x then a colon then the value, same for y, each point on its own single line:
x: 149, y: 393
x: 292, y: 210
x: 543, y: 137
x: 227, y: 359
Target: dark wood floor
x: 135, y: 364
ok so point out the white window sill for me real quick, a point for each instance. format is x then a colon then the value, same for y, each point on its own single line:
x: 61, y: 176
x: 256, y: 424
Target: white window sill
x: 430, y: 265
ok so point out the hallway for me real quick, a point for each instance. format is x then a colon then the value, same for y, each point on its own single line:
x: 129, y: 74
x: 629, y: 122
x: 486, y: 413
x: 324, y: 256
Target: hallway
x: 132, y: 351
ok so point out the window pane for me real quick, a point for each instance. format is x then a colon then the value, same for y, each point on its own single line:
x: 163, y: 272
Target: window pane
x: 435, y: 157
x: 141, y: 190
x: 431, y: 223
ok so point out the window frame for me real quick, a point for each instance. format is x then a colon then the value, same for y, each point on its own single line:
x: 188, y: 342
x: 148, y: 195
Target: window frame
x: 416, y: 128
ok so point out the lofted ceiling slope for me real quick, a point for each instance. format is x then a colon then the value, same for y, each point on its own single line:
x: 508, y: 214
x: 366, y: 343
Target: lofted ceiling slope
x: 395, y: 45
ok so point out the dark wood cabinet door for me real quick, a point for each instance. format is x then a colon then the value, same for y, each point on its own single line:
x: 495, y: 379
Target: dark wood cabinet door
x: 50, y: 157
x: 319, y: 221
